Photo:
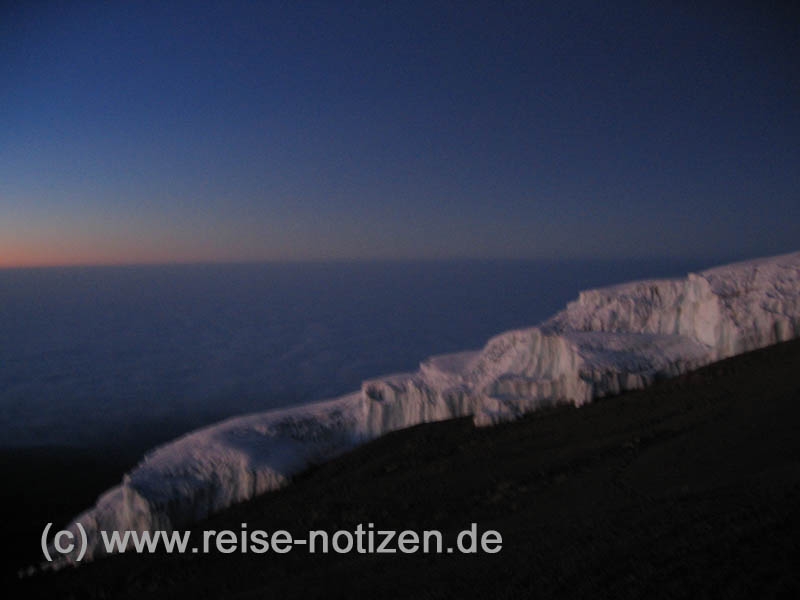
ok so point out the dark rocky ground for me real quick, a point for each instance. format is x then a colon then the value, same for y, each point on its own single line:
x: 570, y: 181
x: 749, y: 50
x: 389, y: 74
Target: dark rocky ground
x: 688, y: 489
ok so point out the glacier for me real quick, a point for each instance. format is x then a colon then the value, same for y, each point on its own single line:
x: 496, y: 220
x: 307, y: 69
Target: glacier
x: 607, y: 341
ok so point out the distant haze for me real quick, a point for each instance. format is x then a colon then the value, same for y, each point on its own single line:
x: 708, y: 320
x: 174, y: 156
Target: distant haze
x: 149, y: 132
x: 131, y: 356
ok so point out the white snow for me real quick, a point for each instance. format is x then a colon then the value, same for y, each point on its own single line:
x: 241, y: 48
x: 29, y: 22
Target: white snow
x: 609, y: 340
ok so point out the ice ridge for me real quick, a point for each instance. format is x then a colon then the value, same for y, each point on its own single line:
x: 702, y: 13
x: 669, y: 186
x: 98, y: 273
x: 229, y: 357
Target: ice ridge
x: 608, y: 340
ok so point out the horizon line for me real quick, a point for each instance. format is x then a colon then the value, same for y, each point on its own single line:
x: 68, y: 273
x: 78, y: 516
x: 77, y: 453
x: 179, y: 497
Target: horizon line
x: 367, y: 260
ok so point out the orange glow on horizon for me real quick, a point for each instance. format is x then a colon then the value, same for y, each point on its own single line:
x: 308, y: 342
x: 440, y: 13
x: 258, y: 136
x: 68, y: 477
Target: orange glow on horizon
x: 145, y: 252
x: 29, y: 261
x: 20, y: 257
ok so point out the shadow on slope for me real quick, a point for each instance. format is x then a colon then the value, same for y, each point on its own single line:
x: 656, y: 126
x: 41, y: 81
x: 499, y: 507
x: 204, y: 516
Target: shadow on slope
x: 688, y: 488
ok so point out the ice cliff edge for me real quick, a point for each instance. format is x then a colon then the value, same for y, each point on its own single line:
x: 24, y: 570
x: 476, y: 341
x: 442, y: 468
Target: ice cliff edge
x: 608, y: 340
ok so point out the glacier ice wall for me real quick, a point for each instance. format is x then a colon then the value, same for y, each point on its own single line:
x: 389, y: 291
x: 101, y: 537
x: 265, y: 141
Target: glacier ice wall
x: 609, y: 340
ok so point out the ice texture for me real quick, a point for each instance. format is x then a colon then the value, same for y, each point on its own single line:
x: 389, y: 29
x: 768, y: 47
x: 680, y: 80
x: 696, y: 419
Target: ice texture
x: 609, y: 340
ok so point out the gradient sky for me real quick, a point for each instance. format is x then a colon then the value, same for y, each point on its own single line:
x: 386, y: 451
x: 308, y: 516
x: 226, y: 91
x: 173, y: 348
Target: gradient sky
x: 192, y: 131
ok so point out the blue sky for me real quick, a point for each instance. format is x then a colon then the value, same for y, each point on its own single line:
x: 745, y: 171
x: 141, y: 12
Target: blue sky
x: 192, y: 131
